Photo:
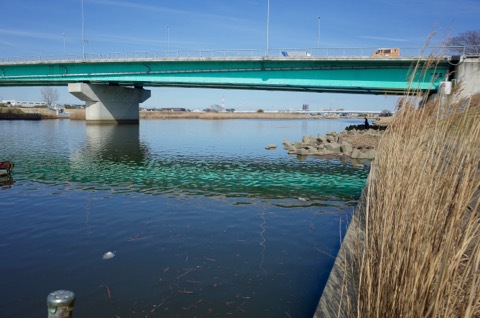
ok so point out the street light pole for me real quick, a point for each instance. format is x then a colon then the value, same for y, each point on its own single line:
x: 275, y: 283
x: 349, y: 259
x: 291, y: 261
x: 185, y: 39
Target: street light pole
x: 318, y: 38
x: 64, y: 50
x: 168, y: 38
x: 83, y: 34
x: 268, y: 23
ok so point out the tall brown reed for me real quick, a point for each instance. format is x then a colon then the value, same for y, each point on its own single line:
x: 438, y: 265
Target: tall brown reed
x: 76, y: 114
x: 419, y: 250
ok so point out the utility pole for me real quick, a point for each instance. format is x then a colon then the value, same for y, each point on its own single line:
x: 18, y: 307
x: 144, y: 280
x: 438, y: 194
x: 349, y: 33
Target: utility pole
x: 83, y: 34
x: 64, y: 49
x: 268, y: 23
x: 168, y: 39
x: 318, y: 38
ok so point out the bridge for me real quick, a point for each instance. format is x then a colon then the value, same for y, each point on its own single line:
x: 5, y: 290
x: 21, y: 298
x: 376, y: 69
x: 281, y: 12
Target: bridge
x: 112, y: 88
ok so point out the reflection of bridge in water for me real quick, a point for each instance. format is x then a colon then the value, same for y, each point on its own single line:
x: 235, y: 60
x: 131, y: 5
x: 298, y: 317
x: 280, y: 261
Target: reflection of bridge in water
x: 115, y: 143
x: 113, y: 88
x: 114, y: 157
x: 111, y: 155
x: 70, y: 155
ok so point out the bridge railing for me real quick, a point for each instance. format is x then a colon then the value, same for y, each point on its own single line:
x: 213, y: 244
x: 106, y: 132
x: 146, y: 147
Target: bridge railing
x: 284, y: 52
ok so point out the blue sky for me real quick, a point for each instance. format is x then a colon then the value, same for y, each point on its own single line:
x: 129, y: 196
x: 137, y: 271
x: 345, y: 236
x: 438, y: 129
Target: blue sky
x: 42, y: 27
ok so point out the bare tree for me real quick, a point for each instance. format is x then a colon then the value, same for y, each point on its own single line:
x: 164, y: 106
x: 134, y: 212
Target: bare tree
x: 214, y: 108
x: 49, y: 95
x: 468, y: 42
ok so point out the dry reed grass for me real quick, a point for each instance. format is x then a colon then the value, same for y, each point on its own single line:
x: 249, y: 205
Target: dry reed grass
x: 224, y: 115
x: 76, y: 114
x: 418, y: 251
x: 79, y: 114
x: 14, y: 113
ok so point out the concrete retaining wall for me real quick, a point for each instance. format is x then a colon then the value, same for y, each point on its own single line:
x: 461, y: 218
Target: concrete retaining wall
x: 338, y: 298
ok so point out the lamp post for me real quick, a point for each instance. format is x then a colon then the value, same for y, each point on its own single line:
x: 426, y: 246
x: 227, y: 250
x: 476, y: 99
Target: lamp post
x: 83, y: 34
x: 268, y: 23
x: 168, y: 38
x: 318, y: 38
x: 64, y: 50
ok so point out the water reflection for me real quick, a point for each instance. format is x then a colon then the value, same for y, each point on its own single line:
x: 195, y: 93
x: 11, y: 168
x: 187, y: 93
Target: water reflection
x: 205, y: 222
x: 6, y: 181
x: 114, y: 157
x: 116, y: 143
x: 304, y: 128
x: 183, y: 158
x: 6, y: 170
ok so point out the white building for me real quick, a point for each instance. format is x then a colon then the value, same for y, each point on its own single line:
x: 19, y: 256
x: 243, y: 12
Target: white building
x: 22, y: 103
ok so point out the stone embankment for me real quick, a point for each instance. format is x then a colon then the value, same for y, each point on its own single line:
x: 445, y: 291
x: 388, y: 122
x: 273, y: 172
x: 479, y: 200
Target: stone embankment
x: 354, y: 142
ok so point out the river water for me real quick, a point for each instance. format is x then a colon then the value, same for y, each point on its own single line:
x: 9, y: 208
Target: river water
x: 202, y: 220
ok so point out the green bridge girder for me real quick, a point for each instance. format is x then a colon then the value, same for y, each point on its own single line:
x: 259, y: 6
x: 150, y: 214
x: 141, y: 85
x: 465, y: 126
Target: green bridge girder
x: 361, y: 75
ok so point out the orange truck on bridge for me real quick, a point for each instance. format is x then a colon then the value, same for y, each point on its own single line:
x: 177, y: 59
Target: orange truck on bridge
x: 387, y: 52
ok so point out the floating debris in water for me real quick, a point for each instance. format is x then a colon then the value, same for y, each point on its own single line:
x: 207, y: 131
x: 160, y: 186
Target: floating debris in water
x: 302, y: 199
x: 108, y: 255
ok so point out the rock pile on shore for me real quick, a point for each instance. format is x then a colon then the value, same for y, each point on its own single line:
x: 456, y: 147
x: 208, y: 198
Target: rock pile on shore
x: 353, y: 143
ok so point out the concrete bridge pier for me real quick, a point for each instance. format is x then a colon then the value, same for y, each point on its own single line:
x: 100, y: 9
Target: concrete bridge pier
x: 107, y: 104
x: 467, y: 73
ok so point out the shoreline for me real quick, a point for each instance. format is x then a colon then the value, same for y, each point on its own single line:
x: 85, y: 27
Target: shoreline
x: 79, y: 114
x: 220, y: 116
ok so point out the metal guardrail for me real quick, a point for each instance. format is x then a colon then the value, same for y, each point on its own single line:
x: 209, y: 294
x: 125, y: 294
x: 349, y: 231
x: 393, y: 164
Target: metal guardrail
x: 307, y: 52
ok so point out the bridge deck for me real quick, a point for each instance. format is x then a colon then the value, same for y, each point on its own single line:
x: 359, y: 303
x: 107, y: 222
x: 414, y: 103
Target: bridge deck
x: 364, y: 75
